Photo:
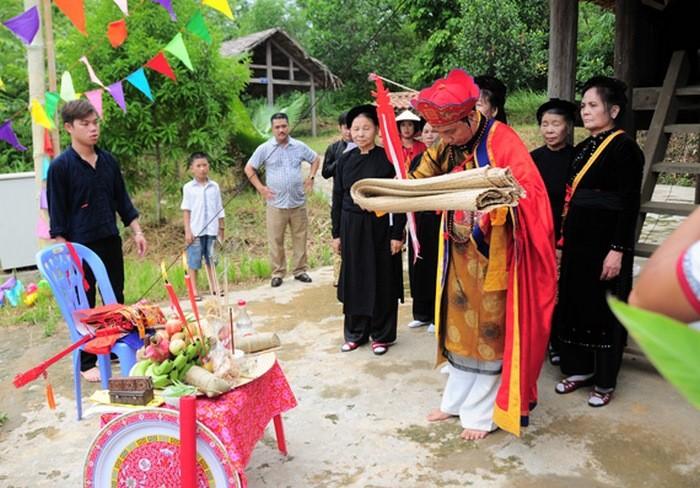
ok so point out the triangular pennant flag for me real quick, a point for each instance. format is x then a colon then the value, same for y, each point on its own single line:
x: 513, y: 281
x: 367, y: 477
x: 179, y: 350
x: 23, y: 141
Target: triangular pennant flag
x: 95, y: 98
x: 160, y: 64
x: 220, y: 5
x: 177, y: 47
x: 67, y: 90
x: 139, y: 80
x: 116, y: 32
x: 42, y: 228
x: 48, y: 144
x: 167, y: 5
x: 2, y: 85
x: 198, y: 27
x: 39, y: 115
x: 117, y: 92
x: 43, y: 201
x: 8, y: 135
x: 75, y: 11
x: 122, y: 6
x: 45, y: 168
x: 50, y: 103
x: 91, y: 72
x: 24, y: 25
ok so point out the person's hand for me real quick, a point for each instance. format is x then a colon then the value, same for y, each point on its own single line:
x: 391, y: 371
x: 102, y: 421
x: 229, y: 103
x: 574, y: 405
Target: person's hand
x: 189, y: 237
x: 335, y: 244
x: 141, y: 244
x: 308, y: 184
x: 396, y: 246
x: 267, y: 193
x: 611, y: 265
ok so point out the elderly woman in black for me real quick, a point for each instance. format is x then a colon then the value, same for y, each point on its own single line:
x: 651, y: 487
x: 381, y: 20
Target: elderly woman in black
x: 371, y: 281
x: 599, y: 219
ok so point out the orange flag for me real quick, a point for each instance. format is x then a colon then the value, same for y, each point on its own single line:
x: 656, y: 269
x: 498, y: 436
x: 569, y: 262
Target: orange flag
x: 116, y: 32
x: 75, y: 11
x: 160, y: 64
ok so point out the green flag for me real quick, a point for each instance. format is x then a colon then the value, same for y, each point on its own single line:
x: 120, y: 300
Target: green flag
x: 671, y: 346
x: 50, y: 103
x: 177, y: 47
x: 198, y: 27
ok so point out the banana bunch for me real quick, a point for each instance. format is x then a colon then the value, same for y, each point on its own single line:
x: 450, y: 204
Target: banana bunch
x: 170, y: 370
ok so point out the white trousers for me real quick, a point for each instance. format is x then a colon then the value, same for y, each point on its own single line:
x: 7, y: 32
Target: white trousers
x: 472, y: 396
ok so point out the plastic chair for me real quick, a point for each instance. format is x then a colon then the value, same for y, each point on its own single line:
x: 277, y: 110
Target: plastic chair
x: 59, y: 269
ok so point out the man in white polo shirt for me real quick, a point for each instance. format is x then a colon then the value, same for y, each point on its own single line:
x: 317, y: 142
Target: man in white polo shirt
x: 284, y: 191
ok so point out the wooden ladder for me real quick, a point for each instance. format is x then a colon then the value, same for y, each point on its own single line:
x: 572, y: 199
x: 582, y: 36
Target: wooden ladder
x: 666, y: 102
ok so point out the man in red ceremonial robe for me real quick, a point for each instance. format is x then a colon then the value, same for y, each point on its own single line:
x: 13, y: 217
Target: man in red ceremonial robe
x: 496, y: 271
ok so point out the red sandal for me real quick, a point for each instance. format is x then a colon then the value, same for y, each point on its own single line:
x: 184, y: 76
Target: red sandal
x: 349, y: 346
x: 380, y: 348
x: 567, y: 386
x: 599, y: 399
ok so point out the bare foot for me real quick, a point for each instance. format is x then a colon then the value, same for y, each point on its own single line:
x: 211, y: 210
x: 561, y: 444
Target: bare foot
x: 91, y: 375
x: 438, y: 415
x: 473, y: 435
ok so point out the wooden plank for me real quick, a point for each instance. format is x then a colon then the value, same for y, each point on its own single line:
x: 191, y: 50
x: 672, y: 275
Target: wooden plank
x: 668, y: 208
x: 277, y: 81
x: 682, y: 128
x: 686, y: 168
x: 563, y: 22
x: 264, y: 66
x: 626, y: 46
x: 313, y: 106
x: 270, y: 82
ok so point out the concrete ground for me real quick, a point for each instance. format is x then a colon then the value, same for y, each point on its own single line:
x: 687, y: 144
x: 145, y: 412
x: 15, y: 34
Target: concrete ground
x: 360, y: 421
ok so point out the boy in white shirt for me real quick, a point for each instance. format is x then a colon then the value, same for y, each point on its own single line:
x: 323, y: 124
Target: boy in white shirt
x: 203, y: 215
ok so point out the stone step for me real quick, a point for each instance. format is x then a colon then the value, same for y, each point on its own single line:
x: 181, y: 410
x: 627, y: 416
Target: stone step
x: 667, y: 208
x: 682, y: 128
x: 688, y: 168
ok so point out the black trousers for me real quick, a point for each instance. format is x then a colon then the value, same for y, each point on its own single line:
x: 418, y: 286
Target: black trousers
x: 382, y: 328
x: 424, y: 310
x: 604, y: 363
x: 110, y: 252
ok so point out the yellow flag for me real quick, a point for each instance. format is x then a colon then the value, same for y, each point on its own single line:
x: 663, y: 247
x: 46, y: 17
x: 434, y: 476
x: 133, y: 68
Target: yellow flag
x: 39, y: 115
x: 2, y: 85
x: 220, y: 5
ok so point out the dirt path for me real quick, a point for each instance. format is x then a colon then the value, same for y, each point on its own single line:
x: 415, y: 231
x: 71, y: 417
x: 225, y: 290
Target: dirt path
x: 360, y: 419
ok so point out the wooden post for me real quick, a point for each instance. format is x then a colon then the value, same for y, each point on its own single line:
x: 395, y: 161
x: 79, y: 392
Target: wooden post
x: 291, y: 69
x: 51, y: 67
x: 563, y: 29
x: 625, y: 48
x: 313, y: 106
x: 268, y: 61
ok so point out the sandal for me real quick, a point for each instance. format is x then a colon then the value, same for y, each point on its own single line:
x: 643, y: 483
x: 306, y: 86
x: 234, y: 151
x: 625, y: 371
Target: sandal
x: 349, y: 346
x: 567, y: 386
x: 380, y: 348
x: 554, y: 357
x: 599, y: 399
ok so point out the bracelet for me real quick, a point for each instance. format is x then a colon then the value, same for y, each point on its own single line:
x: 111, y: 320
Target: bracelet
x: 139, y: 233
x: 311, y: 177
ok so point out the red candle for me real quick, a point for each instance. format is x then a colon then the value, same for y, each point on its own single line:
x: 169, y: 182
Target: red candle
x: 188, y: 441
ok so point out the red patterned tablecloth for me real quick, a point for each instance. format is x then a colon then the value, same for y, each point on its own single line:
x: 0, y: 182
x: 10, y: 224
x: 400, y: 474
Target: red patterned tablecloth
x: 239, y: 417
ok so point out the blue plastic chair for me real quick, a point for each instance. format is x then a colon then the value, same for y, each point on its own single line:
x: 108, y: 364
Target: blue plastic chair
x: 59, y: 269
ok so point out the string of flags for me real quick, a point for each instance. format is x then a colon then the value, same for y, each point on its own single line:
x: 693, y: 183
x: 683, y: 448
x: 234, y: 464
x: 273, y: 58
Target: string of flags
x: 26, y: 25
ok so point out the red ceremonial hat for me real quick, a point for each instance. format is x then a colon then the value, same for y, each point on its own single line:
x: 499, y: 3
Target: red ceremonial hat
x: 449, y: 99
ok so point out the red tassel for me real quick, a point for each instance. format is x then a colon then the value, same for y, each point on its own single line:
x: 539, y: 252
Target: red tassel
x: 50, y: 399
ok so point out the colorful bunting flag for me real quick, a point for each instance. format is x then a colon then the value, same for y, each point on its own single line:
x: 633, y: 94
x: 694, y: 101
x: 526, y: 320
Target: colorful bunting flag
x: 220, y: 5
x: 177, y: 47
x: 117, y: 92
x: 198, y: 27
x: 2, y: 85
x: 160, y: 64
x: 122, y: 6
x: 95, y: 98
x: 48, y: 144
x: 75, y: 11
x: 139, y: 80
x: 167, y: 5
x: 42, y: 228
x: 39, y: 115
x: 45, y: 168
x: 67, y: 90
x: 91, y: 72
x: 24, y: 25
x: 51, y: 103
x: 116, y: 33
x: 8, y: 135
x: 43, y: 201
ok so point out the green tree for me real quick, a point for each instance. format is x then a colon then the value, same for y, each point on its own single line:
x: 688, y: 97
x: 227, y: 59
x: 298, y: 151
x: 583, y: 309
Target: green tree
x: 595, y: 43
x: 192, y: 114
x: 258, y: 15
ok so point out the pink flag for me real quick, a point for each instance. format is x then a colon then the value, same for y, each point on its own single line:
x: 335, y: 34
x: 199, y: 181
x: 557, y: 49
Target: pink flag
x: 117, y: 92
x: 91, y: 72
x: 42, y: 228
x: 95, y: 98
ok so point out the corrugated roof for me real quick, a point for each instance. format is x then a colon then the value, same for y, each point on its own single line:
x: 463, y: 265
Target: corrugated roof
x: 322, y: 75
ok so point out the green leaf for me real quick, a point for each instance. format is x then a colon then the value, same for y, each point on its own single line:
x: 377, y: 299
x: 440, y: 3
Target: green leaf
x: 671, y: 346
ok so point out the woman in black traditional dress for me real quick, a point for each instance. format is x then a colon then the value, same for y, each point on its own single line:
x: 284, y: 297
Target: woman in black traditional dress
x: 556, y: 120
x: 371, y: 282
x: 600, y: 216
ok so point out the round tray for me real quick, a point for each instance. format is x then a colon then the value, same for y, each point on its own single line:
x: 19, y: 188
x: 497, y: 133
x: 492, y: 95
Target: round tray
x: 142, y: 449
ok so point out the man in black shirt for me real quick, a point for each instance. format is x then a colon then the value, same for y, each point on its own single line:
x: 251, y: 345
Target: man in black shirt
x: 335, y: 150
x: 85, y: 190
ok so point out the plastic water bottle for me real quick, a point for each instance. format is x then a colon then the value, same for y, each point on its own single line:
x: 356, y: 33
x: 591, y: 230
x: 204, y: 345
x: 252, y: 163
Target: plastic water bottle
x: 243, y: 323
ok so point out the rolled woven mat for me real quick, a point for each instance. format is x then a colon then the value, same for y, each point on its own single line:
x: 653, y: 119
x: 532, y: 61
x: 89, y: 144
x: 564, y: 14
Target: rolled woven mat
x: 480, y: 189
x: 258, y: 342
